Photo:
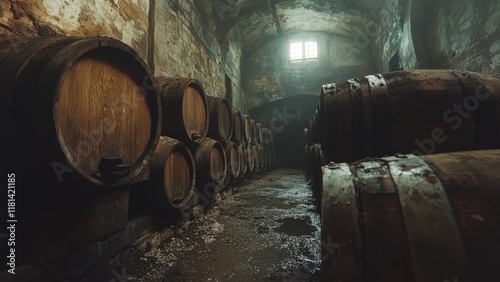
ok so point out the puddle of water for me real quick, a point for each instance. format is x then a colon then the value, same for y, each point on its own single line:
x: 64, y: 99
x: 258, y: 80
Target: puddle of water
x: 296, y: 226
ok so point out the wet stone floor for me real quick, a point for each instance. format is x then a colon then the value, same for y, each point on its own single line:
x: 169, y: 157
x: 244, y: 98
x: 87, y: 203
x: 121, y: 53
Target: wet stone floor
x: 267, y: 230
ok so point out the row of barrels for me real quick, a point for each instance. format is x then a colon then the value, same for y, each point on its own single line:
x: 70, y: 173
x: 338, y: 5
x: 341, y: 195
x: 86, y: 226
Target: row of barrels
x: 181, y: 175
x: 94, y: 106
x: 200, y: 116
x: 219, y: 145
x: 404, y: 169
x: 416, y: 111
x: 86, y: 120
x: 402, y: 111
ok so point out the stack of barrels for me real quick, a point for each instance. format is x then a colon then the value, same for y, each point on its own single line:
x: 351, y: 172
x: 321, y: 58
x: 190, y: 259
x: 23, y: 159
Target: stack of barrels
x: 219, y: 145
x: 82, y: 119
x: 405, y: 169
x: 86, y: 120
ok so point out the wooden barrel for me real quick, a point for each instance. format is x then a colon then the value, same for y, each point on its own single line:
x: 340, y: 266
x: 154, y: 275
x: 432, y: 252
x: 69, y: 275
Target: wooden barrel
x: 253, y: 130
x: 92, y: 109
x: 256, y: 158
x: 242, y: 152
x: 265, y: 157
x: 184, y: 108
x: 417, y: 111
x: 307, y: 161
x: 267, y: 137
x: 247, y: 130
x: 259, y: 132
x: 260, y: 159
x: 314, y: 130
x: 268, y: 158
x: 317, y: 161
x: 210, y: 160
x: 238, y: 127
x: 409, y: 218
x: 250, y: 159
x: 233, y: 159
x: 221, y: 119
x: 310, y: 134
x: 172, y: 174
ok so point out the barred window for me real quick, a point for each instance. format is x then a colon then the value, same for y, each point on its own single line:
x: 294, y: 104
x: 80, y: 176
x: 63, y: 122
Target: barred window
x: 303, y: 50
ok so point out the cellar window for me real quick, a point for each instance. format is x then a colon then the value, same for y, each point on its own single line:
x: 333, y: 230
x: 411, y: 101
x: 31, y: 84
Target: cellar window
x: 303, y: 50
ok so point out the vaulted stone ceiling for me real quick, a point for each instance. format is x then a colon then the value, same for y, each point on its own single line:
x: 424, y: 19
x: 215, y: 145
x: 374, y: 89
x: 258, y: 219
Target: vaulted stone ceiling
x: 254, y: 22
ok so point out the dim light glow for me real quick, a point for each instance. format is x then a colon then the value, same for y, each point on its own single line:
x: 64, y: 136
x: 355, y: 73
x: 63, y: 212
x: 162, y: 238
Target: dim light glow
x: 303, y: 50
x: 296, y: 51
x: 310, y: 50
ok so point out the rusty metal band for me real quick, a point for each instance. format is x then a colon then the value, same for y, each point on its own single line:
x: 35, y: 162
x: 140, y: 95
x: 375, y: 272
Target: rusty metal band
x: 358, y: 119
x: 433, y: 236
x: 487, y: 133
x: 330, y: 120
x: 382, y: 124
x: 342, y: 252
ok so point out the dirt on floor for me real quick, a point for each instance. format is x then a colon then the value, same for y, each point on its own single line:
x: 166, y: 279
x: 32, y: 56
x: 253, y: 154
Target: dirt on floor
x: 268, y: 230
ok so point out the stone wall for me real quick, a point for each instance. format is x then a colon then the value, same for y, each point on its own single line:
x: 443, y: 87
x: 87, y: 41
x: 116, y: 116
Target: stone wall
x: 394, y: 41
x: 126, y: 20
x: 465, y: 35
x: 443, y: 34
x: 175, y: 37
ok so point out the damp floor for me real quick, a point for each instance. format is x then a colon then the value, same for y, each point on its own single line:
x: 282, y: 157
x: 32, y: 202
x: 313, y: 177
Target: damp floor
x: 267, y: 230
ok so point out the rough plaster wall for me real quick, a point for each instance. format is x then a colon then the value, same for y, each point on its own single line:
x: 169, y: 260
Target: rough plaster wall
x: 126, y: 20
x: 233, y: 61
x: 395, y: 37
x: 269, y: 74
x: 465, y: 35
x: 186, y: 45
x: 462, y: 34
x: 183, y: 32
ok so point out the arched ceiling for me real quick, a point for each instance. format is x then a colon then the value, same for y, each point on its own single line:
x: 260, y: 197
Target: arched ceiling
x: 254, y: 22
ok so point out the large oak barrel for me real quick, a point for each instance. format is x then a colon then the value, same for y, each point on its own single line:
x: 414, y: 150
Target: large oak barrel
x: 242, y: 152
x: 238, y: 127
x: 256, y: 157
x: 265, y: 158
x: 409, y: 218
x: 233, y: 159
x: 210, y: 160
x: 253, y: 129
x: 317, y: 161
x: 259, y: 132
x: 89, y: 103
x: 185, y: 109
x: 308, y: 159
x: 221, y: 119
x: 417, y: 111
x: 172, y: 174
x: 247, y: 130
x: 250, y: 159
x: 267, y: 137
